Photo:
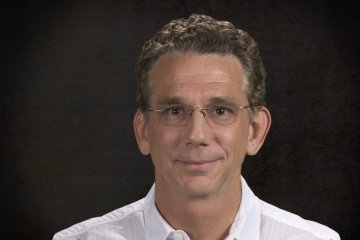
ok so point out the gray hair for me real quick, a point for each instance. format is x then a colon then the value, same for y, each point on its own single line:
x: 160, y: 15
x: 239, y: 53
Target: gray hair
x: 204, y: 35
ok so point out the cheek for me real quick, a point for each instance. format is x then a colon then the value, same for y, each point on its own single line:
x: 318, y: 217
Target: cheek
x: 162, y: 140
x: 234, y: 141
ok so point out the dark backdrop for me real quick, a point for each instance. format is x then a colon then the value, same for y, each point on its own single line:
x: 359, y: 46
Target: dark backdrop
x: 68, y: 97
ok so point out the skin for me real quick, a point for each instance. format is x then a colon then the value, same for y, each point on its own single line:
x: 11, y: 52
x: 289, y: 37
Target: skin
x: 198, y: 165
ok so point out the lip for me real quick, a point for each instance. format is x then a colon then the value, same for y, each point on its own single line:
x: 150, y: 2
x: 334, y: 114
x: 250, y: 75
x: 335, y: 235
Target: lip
x: 197, y: 165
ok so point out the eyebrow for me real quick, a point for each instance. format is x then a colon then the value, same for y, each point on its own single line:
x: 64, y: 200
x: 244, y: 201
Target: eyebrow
x: 171, y: 101
x: 228, y: 101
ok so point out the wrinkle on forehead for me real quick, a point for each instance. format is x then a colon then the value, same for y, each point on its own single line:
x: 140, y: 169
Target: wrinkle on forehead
x: 203, y: 77
x: 194, y: 79
x: 204, y: 92
x: 191, y: 69
x: 196, y: 64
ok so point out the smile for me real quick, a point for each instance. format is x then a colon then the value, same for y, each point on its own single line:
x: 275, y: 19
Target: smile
x: 197, y: 165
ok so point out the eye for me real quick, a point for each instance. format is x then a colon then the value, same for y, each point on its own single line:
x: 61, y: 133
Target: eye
x: 174, y: 110
x: 221, y: 110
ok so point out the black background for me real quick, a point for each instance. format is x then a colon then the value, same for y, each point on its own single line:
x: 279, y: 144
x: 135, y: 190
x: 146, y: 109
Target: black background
x: 68, y: 97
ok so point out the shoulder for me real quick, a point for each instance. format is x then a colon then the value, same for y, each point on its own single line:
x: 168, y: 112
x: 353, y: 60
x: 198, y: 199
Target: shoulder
x: 291, y: 226
x: 116, y: 221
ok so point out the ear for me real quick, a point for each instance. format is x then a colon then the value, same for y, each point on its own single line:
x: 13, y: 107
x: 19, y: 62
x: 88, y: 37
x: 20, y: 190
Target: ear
x: 140, y: 129
x: 258, y: 129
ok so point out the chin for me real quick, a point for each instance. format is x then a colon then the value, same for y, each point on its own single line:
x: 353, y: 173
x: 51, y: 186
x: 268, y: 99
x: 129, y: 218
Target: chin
x: 198, y: 188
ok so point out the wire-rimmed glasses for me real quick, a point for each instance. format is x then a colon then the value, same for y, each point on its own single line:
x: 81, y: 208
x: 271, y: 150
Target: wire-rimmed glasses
x: 179, y: 115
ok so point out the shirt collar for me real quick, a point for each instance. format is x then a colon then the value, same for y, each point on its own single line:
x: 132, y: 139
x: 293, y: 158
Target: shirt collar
x: 247, y: 220
x: 155, y: 225
x: 245, y: 226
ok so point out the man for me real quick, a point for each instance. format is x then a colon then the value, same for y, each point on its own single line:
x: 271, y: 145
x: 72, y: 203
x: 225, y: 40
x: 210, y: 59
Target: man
x: 201, y: 109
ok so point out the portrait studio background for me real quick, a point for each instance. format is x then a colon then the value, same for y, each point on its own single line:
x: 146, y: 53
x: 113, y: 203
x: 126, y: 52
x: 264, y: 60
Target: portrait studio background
x: 68, y: 97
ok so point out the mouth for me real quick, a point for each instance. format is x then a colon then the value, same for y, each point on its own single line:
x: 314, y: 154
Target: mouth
x: 197, y: 165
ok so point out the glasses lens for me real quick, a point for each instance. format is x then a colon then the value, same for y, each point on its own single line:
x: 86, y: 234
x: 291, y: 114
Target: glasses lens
x: 221, y: 115
x: 214, y: 115
x: 174, y: 116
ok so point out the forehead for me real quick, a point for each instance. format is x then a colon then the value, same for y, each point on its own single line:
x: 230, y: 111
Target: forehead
x: 178, y: 64
x: 185, y: 73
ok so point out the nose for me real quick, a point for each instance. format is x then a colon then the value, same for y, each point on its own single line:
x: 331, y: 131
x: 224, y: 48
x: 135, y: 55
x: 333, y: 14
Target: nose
x: 197, y: 129
x: 201, y: 110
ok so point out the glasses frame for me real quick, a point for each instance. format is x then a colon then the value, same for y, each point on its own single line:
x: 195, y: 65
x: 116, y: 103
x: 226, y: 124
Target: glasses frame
x: 190, y: 110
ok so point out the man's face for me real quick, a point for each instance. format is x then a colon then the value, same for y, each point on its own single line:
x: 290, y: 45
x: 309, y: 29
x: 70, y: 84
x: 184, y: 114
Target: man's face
x: 198, y: 158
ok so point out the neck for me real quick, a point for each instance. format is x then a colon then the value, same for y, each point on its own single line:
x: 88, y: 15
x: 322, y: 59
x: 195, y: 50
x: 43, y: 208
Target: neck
x: 201, y: 218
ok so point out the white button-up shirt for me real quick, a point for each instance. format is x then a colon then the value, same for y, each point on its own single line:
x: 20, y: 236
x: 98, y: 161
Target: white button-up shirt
x: 255, y: 220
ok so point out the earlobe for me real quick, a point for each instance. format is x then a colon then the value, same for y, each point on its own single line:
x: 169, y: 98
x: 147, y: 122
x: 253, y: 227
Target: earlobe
x: 258, y: 130
x: 141, y: 135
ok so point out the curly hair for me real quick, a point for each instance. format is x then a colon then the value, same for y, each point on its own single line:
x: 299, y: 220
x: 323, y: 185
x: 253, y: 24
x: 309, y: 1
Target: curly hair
x: 204, y: 35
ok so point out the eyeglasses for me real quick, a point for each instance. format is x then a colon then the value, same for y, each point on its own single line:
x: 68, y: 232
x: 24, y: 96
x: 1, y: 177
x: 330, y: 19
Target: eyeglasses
x: 179, y: 115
